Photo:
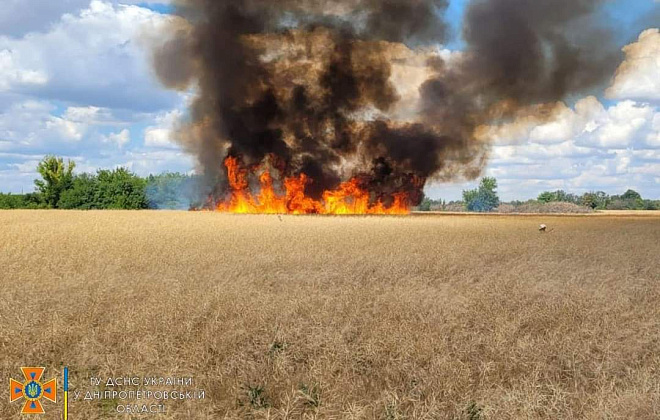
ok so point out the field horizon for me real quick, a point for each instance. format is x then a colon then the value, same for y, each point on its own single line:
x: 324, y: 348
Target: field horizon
x: 429, y: 316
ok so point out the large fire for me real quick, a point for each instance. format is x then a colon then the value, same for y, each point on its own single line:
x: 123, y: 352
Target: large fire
x: 348, y: 198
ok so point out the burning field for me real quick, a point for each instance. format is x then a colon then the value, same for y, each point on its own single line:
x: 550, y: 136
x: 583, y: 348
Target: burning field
x: 351, y: 107
x: 418, y: 317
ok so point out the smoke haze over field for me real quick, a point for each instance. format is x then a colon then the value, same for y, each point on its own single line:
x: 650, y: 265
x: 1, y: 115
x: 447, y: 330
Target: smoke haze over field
x: 309, y: 85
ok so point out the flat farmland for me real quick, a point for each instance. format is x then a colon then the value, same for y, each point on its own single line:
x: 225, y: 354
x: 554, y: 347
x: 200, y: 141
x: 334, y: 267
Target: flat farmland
x: 418, y: 317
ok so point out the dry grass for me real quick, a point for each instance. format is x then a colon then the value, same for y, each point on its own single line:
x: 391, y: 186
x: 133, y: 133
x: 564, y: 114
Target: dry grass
x: 346, y: 318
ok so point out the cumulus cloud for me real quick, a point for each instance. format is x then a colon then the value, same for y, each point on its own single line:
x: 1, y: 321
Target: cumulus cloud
x: 161, y: 135
x: 621, y: 126
x: 12, y: 75
x: 95, y: 57
x: 638, y: 77
x: 145, y: 162
x: 589, y: 123
x: 30, y: 124
x: 120, y: 139
x: 589, y: 146
x: 35, y: 125
x: 77, y: 82
x: 19, y: 17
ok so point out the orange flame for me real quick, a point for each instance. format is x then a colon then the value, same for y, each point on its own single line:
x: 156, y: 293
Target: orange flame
x: 348, y: 198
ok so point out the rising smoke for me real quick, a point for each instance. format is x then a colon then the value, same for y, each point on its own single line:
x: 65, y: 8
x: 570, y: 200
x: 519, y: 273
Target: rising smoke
x: 307, y: 85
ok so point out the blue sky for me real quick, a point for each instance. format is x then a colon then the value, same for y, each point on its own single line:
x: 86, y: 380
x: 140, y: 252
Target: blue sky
x: 75, y: 80
x: 160, y: 8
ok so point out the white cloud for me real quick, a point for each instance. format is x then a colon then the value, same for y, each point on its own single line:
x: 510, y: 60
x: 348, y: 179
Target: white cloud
x: 158, y: 137
x: 638, y: 77
x: 79, y: 86
x: 620, y: 126
x: 35, y: 125
x: 581, y: 148
x: 26, y: 167
x: 589, y: 146
x: 653, y: 138
x: 12, y: 75
x: 19, y: 17
x: 68, y: 130
x: 94, y: 57
x: 589, y: 124
x: 120, y: 139
x: 559, y: 130
x: 30, y: 123
x: 161, y: 135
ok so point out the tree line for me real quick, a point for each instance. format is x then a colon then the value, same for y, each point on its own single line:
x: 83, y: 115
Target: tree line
x: 484, y: 198
x: 60, y: 188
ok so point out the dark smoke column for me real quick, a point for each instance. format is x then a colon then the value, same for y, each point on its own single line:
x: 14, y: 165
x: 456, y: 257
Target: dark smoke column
x: 307, y: 84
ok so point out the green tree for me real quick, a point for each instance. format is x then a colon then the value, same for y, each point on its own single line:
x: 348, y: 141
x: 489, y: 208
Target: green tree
x: 596, y: 200
x: 589, y: 200
x: 630, y: 200
x: 484, y: 198
x: 83, y: 194
x: 56, y: 178
x: 633, y: 200
x: 21, y: 201
x: 546, y: 197
x: 558, y: 196
x: 11, y: 201
x: 121, y: 189
x: 602, y: 199
x: 631, y: 195
x: 649, y: 205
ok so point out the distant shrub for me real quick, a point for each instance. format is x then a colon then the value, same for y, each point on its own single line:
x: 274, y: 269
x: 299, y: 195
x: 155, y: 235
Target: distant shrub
x: 537, y: 207
x: 455, y: 207
x: 506, y: 208
x: 21, y: 201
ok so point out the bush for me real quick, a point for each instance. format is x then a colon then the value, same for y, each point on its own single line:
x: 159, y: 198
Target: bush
x: 559, y: 196
x: 11, y: 201
x: 121, y: 189
x: 116, y: 189
x: 533, y: 206
x: 650, y: 205
x: 83, y: 195
x: 21, y: 201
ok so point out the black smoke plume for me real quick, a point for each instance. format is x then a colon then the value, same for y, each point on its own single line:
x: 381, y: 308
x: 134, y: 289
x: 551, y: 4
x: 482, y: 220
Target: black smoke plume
x: 308, y: 84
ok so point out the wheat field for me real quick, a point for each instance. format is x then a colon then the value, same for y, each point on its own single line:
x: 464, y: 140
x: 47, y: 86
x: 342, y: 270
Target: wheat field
x: 419, y: 317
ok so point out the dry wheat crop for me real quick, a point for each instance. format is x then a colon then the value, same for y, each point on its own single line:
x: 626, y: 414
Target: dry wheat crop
x: 420, y: 317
